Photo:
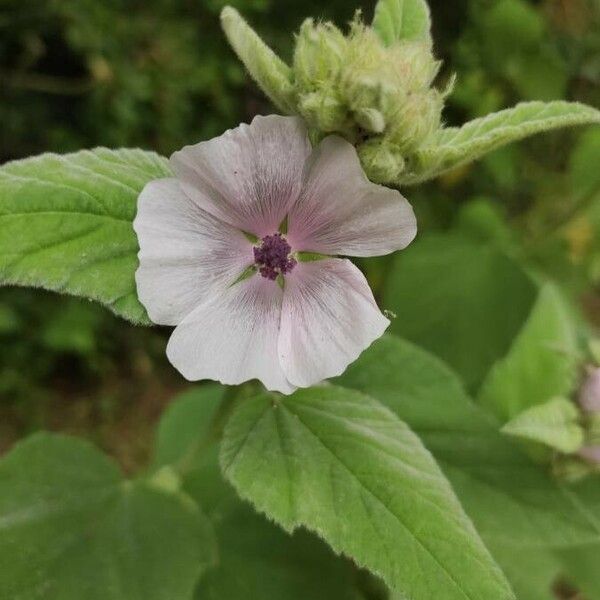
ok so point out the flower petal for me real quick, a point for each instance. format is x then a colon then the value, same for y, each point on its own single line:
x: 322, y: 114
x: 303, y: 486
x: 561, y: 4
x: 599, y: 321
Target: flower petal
x: 232, y: 337
x: 249, y: 176
x: 341, y: 212
x: 185, y: 253
x: 328, y: 318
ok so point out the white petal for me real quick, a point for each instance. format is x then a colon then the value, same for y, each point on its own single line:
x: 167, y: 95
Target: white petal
x: 329, y: 317
x: 185, y: 253
x: 249, y: 176
x: 341, y: 212
x: 232, y: 337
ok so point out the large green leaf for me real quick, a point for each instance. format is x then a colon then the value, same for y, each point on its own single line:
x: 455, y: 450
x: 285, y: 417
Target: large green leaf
x: 340, y: 464
x: 511, y: 500
x: 256, y: 559
x: 454, y: 146
x: 72, y: 528
x: 541, y: 364
x: 462, y: 299
x: 397, y: 20
x: 65, y: 224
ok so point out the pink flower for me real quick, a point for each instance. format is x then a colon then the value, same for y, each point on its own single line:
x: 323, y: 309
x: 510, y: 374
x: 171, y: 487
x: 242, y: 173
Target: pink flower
x: 224, y: 255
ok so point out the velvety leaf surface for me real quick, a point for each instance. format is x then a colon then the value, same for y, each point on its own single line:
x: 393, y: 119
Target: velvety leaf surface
x: 459, y: 298
x: 511, y: 500
x: 397, y: 20
x: 541, y: 364
x: 345, y: 467
x: 257, y: 560
x: 454, y: 146
x: 65, y: 224
x: 72, y: 528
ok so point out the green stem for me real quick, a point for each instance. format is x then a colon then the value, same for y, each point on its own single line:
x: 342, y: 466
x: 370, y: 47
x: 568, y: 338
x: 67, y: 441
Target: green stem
x: 215, y: 431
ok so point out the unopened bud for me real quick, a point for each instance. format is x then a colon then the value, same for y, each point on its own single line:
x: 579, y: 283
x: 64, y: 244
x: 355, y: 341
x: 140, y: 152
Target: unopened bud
x: 378, y: 96
x: 589, y: 394
x: 322, y: 110
x: 370, y: 119
x: 416, y: 119
x: 382, y: 162
x: 414, y: 65
x: 591, y: 454
x: 319, y: 53
x: 367, y: 75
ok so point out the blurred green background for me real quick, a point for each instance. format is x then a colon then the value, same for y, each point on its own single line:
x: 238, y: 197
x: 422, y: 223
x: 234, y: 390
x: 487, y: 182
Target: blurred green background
x: 158, y: 74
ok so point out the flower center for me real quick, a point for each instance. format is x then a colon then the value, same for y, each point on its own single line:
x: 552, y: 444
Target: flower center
x: 272, y: 257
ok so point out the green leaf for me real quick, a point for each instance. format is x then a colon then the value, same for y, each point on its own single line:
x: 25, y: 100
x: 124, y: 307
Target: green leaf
x: 584, y: 175
x: 341, y: 465
x: 554, y: 424
x: 185, y: 425
x: 397, y: 20
x: 72, y: 528
x: 459, y: 298
x: 481, y: 219
x: 454, y: 146
x: 257, y: 560
x: 531, y: 572
x: 541, y: 364
x: 65, y: 224
x: 511, y: 500
x: 514, y: 44
x: 271, y: 74
x: 580, y: 567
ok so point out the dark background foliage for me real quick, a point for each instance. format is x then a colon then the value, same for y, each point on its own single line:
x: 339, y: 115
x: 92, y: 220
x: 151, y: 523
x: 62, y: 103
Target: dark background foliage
x: 158, y: 74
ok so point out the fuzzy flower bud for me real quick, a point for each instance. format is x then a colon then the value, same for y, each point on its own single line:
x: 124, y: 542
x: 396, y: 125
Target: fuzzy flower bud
x: 378, y: 96
x: 416, y: 119
x: 366, y: 80
x: 589, y: 394
x: 414, y: 65
x: 370, y: 119
x: 323, y: 111
x: 381, y: 160
x: 319, y: 54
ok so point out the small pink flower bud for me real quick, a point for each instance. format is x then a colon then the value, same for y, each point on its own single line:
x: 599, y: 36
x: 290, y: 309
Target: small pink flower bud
x: 589, y: 394
x: 590, y: 454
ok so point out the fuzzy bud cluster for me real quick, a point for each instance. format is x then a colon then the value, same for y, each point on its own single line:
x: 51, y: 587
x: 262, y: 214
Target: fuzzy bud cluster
x: 378, y: 97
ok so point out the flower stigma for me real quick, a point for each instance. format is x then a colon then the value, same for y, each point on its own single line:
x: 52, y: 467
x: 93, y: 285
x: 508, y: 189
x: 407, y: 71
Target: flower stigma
x: 272, y: 257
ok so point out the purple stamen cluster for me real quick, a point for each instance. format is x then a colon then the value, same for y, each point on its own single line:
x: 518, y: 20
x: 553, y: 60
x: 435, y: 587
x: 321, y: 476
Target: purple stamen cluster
x: 272, y: 257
